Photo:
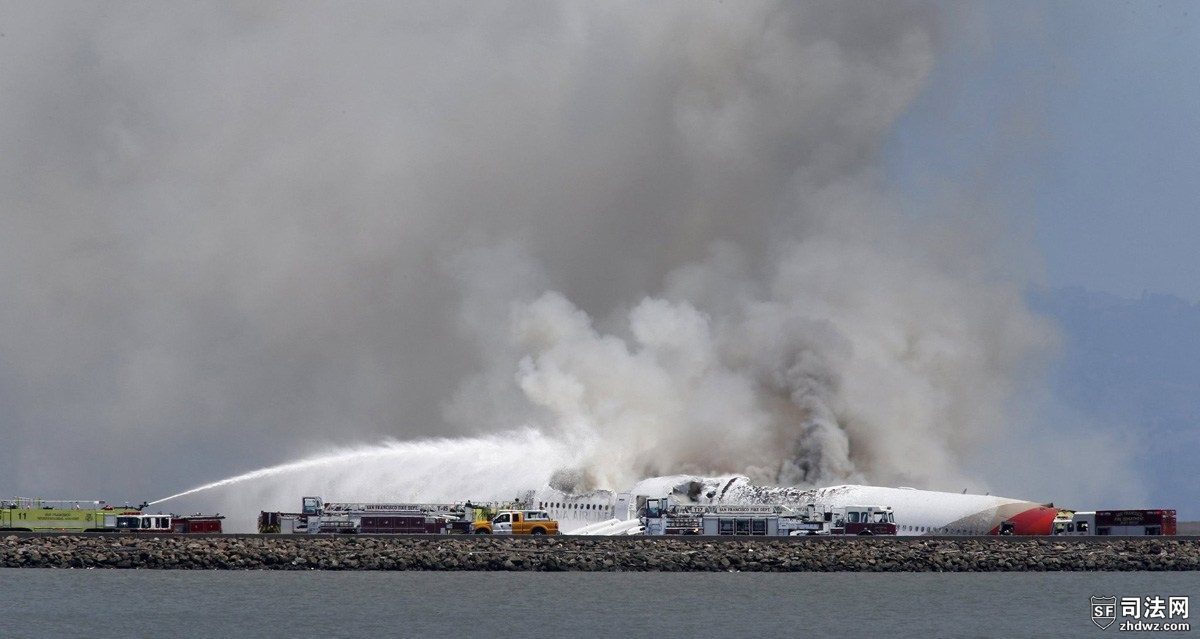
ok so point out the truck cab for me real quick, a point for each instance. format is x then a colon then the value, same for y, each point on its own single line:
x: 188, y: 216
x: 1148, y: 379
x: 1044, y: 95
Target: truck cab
x: 658, y: 518
x: 1074, y: 524
x: 144, y: 523
x: 517, y: 522
x: 864, y: 520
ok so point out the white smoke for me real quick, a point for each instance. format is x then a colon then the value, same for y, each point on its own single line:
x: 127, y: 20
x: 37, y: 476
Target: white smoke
x: 851, y: 362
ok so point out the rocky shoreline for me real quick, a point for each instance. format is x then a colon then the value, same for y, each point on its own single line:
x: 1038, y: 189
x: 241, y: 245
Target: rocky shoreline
x: 600, y: 554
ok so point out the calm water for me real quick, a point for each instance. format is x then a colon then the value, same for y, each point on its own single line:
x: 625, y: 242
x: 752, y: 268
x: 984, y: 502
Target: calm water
x: 123, y: 603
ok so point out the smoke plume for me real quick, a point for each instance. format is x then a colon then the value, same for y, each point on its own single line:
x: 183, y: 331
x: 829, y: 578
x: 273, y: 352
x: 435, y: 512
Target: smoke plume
x: 656, y: 235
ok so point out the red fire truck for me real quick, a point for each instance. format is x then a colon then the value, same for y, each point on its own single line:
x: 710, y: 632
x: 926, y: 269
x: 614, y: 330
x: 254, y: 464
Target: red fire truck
x: 1116, y: 522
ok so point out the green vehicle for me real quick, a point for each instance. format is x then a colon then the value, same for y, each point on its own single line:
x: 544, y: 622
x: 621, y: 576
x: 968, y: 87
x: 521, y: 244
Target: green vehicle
x: 46, y: 515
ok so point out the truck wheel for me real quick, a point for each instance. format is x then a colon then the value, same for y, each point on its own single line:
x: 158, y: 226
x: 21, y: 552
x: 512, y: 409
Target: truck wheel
x: 483, y: 531
x: 866, y: 533
x: 539, y: 531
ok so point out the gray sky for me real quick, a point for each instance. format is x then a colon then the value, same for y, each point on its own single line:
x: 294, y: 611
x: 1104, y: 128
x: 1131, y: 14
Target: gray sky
x: 1082, y: 120
x: 1123, y: 175
x: 787, y: 240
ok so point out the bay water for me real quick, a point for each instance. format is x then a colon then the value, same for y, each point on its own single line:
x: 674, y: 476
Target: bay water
x: 56, y: 603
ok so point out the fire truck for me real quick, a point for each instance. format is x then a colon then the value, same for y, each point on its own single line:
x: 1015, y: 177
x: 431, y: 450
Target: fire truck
x: 352, y: 518
x: 65, y: 515
x: 660, y: 517
x: 843, y: 520
x: 1115, y: 522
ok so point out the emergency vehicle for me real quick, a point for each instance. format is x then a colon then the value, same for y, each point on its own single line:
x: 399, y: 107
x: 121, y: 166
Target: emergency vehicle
x: 354, y: 518
x: 661, y: 517
x: 517, y: 522
x: 60, y: 515
x: 78, y: 516
x: 1115, y: 522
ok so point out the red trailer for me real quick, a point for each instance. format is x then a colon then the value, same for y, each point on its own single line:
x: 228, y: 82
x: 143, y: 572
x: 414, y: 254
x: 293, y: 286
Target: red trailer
x: 197, y: 524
